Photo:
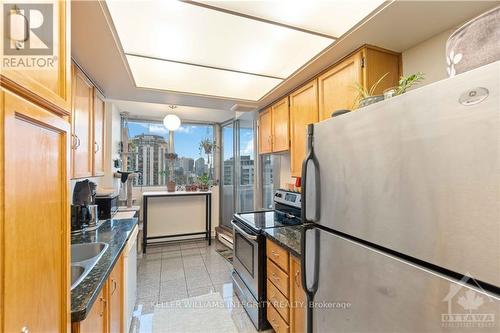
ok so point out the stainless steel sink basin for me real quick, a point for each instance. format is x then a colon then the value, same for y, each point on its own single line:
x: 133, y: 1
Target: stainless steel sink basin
x: 86, y: 251
x: 83, y: 258
x: 76, y: 274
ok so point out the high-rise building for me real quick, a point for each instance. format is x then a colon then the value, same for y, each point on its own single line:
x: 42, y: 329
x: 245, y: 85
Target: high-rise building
x: 199, y: 166
x: 187, y: 164
x: 147, y: 153
x: 247, y: 170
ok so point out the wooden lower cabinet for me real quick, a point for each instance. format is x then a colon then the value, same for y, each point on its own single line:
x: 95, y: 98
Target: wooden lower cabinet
x: 34, y: 218
x: 298, y: 299
x: 285, y: 296
x: 106, y: 314
x: 97, y: 318
x: 116, y: 298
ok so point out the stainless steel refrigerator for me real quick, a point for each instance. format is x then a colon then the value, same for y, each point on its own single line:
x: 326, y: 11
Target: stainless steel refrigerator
x: 404, y: 200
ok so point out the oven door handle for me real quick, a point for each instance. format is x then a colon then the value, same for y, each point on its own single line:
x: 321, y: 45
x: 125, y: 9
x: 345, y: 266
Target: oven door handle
x: 247, y: 235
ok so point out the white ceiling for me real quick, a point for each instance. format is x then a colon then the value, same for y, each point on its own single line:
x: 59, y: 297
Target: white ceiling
x: 397, y: 26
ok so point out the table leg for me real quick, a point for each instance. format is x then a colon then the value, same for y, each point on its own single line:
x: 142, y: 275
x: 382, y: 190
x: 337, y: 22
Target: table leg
x: 209, y: 219
x: 144, y: 224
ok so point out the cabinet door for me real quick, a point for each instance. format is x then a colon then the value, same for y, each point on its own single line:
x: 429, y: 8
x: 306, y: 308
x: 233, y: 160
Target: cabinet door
x: 336, y: 87
x: 99, y: 134
x: 377, y: 63
x: 303, y: 111
x: 34, y: 225
x: 265, y: 132
x: 52, y: 80
x: 83, y: 146
x: 280, y: 121
x: 115, y: 287
x: 96, y: 320
x: 297, y: 298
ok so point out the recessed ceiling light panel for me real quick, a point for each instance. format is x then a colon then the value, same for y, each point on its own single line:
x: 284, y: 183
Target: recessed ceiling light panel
x: 178, y: 77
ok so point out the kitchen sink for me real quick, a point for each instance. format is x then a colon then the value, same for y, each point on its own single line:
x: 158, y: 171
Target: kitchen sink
x: 83, y: 258
x: 76, y: 275
x: 86, y: 251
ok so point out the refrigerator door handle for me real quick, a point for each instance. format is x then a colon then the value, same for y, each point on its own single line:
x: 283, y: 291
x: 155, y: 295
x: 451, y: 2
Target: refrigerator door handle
x: 310, y: 187
x: 309, y: 285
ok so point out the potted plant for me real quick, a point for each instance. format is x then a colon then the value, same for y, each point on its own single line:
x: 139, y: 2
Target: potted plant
x: 204, y: 182
x: 365, y: 96
x: 207, y: 146
x: 404, y: 83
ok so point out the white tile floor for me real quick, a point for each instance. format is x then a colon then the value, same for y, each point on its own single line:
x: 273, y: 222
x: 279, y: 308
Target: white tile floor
x: 181, y: 270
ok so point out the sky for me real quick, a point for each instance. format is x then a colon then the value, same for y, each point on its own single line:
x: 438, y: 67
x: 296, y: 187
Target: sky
x: 188, y: 137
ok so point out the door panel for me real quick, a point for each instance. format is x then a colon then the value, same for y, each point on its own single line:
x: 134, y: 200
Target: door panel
x: 99, y: 134
x: 265, y: 132
x: 36, y: 259
x: 83, y: 146
x: 303, y: 111
x: 377, y: 64
x: 369, y: 291
x: 280, y: 121
x: 337, y: 86
x: 227, y: 186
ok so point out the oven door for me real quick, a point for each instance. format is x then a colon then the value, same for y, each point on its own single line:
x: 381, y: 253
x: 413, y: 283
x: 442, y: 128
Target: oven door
x: 247, y: 249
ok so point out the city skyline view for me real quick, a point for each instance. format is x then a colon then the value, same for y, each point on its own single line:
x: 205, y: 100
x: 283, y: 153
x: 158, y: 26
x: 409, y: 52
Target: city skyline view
x: 186, y: 138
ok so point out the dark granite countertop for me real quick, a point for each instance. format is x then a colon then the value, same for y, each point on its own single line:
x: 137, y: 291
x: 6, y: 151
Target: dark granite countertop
x: 113, y: 232
x: 288, y: 237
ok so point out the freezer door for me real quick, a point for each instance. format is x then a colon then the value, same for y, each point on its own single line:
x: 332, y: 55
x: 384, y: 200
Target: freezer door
x: 362, y: 290
x: 419, y: 173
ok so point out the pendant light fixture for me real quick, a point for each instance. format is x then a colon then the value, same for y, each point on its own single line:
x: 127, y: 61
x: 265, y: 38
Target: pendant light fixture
x: 171, y: 121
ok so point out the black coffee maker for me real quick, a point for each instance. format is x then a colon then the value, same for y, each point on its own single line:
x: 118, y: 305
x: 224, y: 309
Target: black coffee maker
x: 83, y: 204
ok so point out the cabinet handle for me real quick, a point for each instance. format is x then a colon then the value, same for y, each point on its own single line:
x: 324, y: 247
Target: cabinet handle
x: 96, y: 147
x: 114, y: 286
x: 77, y: 141
x: 25, y: 329
x: 275, y: 277
x: 276, y: 326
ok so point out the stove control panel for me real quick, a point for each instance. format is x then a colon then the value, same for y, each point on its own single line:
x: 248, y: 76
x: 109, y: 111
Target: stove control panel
x: 288, y: 198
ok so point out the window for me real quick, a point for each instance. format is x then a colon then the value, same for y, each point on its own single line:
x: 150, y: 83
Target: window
x: 149, y: 152
x: 267, y: 181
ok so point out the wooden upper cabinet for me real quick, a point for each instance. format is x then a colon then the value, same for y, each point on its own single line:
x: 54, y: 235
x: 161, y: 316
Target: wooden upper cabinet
x: 81, y: 119
x: 365, y: 66
x: 34, y: 229
x: 377, y: 62
x: 52, y: 83
x: 274, y: 128
x: 280, y: 125
x: 303, y: 111
x: 336, y: 87
x: 265, y: 132
x: 99, y: 133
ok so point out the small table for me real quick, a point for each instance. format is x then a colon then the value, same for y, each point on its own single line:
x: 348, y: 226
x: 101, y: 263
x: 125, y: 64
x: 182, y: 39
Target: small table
x: 208, y: 214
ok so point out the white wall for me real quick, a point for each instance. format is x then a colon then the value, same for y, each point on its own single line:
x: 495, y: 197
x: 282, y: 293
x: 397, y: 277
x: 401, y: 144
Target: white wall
x: 428, y: 57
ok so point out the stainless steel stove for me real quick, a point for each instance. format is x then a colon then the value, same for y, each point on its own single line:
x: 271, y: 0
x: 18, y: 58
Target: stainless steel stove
x: 249, y: 274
